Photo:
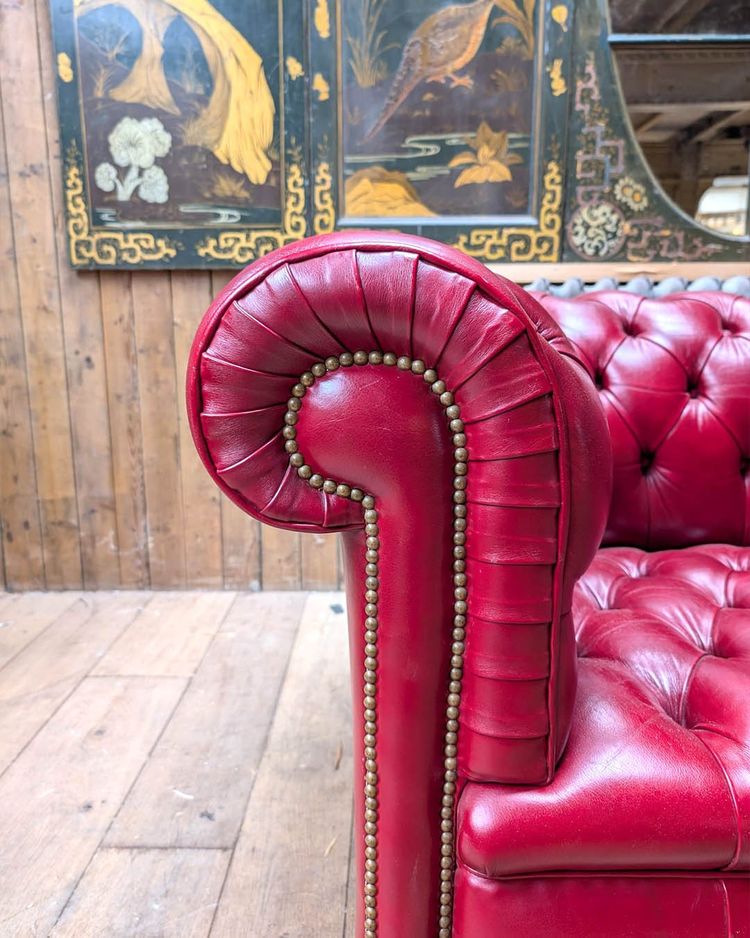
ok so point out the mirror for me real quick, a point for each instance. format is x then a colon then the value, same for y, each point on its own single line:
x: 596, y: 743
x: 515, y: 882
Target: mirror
x: 684, y: 74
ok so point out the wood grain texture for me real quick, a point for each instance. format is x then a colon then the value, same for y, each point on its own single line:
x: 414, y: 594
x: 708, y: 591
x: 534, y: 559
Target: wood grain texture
x: 170, y: 637
x: 41, y: 676
x: 23, y: 616
x: 169, y: 893
x: 59, y: 796
x: 36, y: 260
x: 286, y: 875
x: 120, y: 815
x: 194, y: 790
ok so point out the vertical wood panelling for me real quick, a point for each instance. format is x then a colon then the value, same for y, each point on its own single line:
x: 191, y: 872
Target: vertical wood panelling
x: 19, y: 512
x: 152, y: 305
x: 126, y: 438
x: 39, y: 291
x: 80, y: 307
x: 191, y: 294
x: 99, y: 482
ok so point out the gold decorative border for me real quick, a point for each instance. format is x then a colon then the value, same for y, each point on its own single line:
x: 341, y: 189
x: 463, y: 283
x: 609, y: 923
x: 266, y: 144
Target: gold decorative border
x: 96, y: 246
x: 324, y: 219
x: 297, y: 462
x: 523, y: 244
x: 241, y: 247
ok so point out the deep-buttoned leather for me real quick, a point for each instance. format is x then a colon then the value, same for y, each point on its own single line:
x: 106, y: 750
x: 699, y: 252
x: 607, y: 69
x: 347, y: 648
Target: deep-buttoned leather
x: 672, y: 375
x: 655, y: 775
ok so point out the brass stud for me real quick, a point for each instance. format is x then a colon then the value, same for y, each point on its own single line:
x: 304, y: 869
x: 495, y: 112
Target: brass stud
x: 372, y: 545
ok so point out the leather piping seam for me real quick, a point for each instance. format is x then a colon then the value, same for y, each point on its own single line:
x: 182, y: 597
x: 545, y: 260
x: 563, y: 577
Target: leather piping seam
x: 372, y: 545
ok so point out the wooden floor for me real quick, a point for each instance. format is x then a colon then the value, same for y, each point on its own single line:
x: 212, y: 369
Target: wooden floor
x: 174, y: 764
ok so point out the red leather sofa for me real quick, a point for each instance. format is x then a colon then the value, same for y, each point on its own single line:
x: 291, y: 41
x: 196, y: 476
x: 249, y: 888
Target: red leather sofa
x: 544, y: 507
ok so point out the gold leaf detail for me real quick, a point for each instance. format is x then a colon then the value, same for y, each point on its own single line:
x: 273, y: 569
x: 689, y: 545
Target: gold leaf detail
x: 294, y: 68
x: 523, y: 244
x: 556, y: 80
x: 240, y: 247
x: 321, y: 86
x: 324, y: 218
x: 377, y: 191
x: 64, y: 67
x: 560, y: 16
x: 322, y: 20
x: 104, y: 248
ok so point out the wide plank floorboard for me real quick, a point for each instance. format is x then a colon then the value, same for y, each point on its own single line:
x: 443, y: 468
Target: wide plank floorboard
x: 175, y: 765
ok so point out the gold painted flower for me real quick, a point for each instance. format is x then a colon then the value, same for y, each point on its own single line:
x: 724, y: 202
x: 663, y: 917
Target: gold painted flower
x: 488, y: 160
x: 294, y: 68
x: 631, y: 193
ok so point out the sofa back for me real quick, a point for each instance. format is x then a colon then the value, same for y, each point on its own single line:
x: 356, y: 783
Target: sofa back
x: 673, y: 375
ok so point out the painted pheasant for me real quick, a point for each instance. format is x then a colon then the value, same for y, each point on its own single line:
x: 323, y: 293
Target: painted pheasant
x: 444, y: 43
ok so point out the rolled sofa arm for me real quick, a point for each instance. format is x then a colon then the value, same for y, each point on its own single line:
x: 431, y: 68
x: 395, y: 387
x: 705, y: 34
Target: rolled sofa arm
x: 390, y: 389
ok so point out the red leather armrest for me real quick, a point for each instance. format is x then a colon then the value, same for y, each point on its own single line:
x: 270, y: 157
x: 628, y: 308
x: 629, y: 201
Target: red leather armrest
x: 395, y: 391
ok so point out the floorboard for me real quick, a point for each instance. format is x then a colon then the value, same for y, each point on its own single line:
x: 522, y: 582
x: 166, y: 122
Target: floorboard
x: 175, y: 765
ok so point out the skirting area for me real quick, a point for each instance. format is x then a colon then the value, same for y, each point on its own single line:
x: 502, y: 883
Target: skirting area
x: 174, y: 764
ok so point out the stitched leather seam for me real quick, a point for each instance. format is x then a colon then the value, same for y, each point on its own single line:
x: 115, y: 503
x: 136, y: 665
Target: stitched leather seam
x: 733, y: 799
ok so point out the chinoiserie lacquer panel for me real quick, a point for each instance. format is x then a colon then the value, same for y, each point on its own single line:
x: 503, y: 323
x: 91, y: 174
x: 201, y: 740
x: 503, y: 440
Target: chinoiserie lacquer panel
x: 445, y: 119
x: 183, y: 141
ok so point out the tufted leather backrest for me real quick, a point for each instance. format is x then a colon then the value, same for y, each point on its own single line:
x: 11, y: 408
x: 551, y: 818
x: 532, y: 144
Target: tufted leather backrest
x: 674, y: 377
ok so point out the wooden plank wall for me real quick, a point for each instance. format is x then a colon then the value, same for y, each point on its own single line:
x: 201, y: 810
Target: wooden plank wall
x: 99, y: 482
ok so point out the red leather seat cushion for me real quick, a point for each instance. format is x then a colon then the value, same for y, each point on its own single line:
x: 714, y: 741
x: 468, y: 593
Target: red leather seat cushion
x: 657, y: 770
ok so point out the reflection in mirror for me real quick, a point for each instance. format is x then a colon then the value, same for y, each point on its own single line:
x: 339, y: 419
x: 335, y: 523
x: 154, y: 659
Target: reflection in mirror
x: 683, y: 67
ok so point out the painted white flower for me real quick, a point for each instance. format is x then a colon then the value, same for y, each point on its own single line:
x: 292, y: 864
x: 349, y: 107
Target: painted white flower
x: 105, y: 176
x: 138, y: 143
x: 154, y: 185
x: 135, y: 145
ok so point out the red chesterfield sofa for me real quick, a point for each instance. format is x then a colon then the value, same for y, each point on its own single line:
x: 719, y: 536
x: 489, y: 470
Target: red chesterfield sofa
x: 544, y: 513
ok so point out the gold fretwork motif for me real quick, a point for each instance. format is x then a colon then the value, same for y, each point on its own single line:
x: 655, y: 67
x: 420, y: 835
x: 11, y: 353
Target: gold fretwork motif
x: 241, y: 247
x: 324, y: 218
x: 103, y: 246
x: 523, y: 244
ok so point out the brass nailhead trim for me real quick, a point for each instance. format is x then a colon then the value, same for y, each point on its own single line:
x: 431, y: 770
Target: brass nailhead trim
x: 372, y: 547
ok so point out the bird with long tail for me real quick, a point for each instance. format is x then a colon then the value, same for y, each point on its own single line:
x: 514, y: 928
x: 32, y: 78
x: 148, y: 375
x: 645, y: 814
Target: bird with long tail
x: 440, y: 47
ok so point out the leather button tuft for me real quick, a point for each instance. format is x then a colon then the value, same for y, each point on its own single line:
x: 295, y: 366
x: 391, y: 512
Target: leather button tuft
x: 647, y: 461
x: 744, y: 465
x: 693, y: 390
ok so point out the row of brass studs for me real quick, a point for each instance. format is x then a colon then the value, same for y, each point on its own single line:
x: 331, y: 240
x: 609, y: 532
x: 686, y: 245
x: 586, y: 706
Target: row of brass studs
x: 372, y: 546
